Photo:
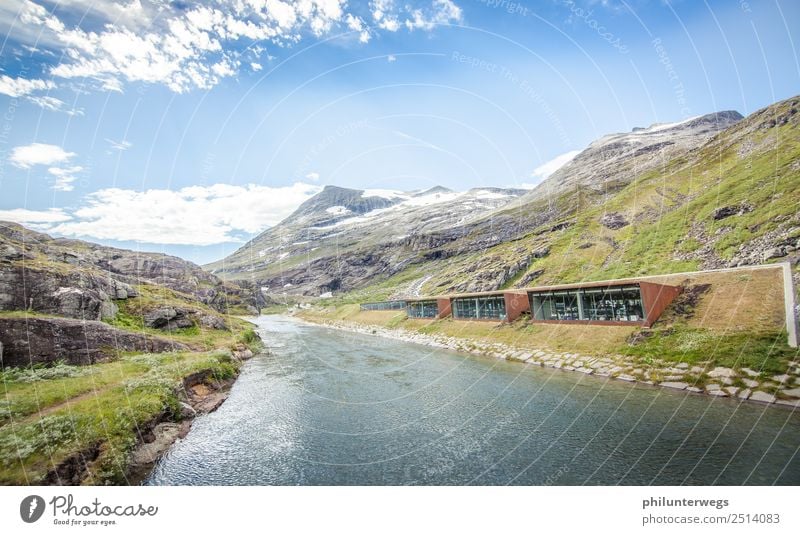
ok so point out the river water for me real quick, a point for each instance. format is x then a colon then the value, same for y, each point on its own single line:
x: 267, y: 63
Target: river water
x: 328, y: 407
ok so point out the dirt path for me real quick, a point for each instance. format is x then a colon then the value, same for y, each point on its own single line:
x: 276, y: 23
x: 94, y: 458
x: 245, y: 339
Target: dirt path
x: 63, y: 404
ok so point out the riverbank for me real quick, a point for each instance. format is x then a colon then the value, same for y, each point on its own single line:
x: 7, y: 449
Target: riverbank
x: 775, y: 382
x: 201, y: 393
x: 109, y: 422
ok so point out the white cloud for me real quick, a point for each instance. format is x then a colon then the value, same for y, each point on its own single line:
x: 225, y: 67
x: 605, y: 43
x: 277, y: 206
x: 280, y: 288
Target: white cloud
x: 19, y: 87
x: 255, y: 66
x: 196, y: 215
x: 440, y: 12
x: 119, y: 145
x: 550, y: 167
x: 391, y: 58
x: 187, y: 46
x: 27, y: 156
x: 313, y: 176
x: 182, y: 48
x: 64, y: 177
x: 35, y: 218
x: 48, y: 103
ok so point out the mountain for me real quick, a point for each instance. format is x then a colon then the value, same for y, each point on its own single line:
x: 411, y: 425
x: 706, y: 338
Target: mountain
x: 728, y: 197
x: 342, y: 239
x: 613, y: 161
x: 669, y: 197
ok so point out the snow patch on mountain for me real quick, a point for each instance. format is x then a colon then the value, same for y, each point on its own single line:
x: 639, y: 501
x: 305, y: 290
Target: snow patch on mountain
x: 337, y: 210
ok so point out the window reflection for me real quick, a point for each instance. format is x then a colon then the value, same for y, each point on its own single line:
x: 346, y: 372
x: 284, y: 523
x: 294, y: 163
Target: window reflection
x: 493, y: 307
x: 384, y: 305
x: 422, y: 309
x: 618, y: 303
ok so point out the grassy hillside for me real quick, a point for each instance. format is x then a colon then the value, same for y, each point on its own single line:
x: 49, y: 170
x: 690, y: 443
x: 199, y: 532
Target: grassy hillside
x: 753, y: 168
x: 96, y: 413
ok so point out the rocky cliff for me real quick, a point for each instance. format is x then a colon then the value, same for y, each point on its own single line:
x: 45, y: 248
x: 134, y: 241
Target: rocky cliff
x: 54, y: 293
x: 342, y: 239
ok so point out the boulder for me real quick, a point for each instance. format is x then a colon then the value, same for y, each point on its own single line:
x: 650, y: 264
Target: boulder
x: 773, y: 252
x: 209, y: 321
x: 614, y: 221
x: 35, y: 340
x: 159, y: 317
x: 9, y: 253
x: 728, y: 211
x: 70, y: 293
x: 794, y: 392
x: 168, y: 318
x: 541, y: 252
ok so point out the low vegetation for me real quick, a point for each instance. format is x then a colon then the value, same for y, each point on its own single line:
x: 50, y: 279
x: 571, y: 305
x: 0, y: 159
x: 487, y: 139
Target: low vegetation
x: 54, y: 415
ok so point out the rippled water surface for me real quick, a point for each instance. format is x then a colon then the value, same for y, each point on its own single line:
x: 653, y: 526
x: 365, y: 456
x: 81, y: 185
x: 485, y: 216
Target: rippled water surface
x: 327, y: 407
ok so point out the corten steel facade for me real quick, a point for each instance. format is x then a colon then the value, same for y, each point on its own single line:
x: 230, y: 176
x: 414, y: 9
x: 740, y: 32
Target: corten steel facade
x: 601, y: 303
x: 517, y: 303
x: 445, y: 307
x: 593, y: 303
x: 632, y: 301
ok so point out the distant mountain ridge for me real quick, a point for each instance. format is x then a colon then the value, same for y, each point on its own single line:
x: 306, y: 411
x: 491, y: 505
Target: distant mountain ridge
x: 650, y: 200
x: 319, y: 247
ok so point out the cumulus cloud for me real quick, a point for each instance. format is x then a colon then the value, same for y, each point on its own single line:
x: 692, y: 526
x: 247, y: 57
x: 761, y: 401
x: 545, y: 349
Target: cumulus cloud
x: 196, y: 215
x: 387, y: 15
x: 53, y: 156
x: 19, y: 87
x: 189, y: 46
x: 27, y: 156
x: 441, y: 12
x: 37, y: 219
x: 313, y: 176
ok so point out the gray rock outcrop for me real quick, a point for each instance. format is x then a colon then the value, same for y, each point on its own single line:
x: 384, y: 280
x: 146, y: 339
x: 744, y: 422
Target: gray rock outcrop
x: 35, y: 340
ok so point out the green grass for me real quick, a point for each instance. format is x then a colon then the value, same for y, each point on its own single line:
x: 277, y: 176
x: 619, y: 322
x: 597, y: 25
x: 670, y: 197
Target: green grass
x: 116, y: 399
x: 130, y: 317
x: 661, y: 205
x: 50, y: 413
x: 766, y: 352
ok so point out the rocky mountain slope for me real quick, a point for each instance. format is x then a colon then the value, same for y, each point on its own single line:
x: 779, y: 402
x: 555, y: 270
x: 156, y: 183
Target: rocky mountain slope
x: 613, y: 161
x: 669, y: 197
x: 122, y: 300
x: 731, y: 200
x: 342, y: 239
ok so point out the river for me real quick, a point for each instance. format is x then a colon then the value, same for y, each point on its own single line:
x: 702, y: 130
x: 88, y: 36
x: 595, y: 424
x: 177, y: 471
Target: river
x: 329, y: 407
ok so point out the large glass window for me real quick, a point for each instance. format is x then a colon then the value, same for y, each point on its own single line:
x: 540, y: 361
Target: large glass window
x: 384, y: 305
x: 493, y: 307
x: 616, y: 303
x: 422, y: 309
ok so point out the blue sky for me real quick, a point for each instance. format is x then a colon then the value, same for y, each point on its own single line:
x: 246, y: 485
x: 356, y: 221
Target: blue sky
x: 188, y: 129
